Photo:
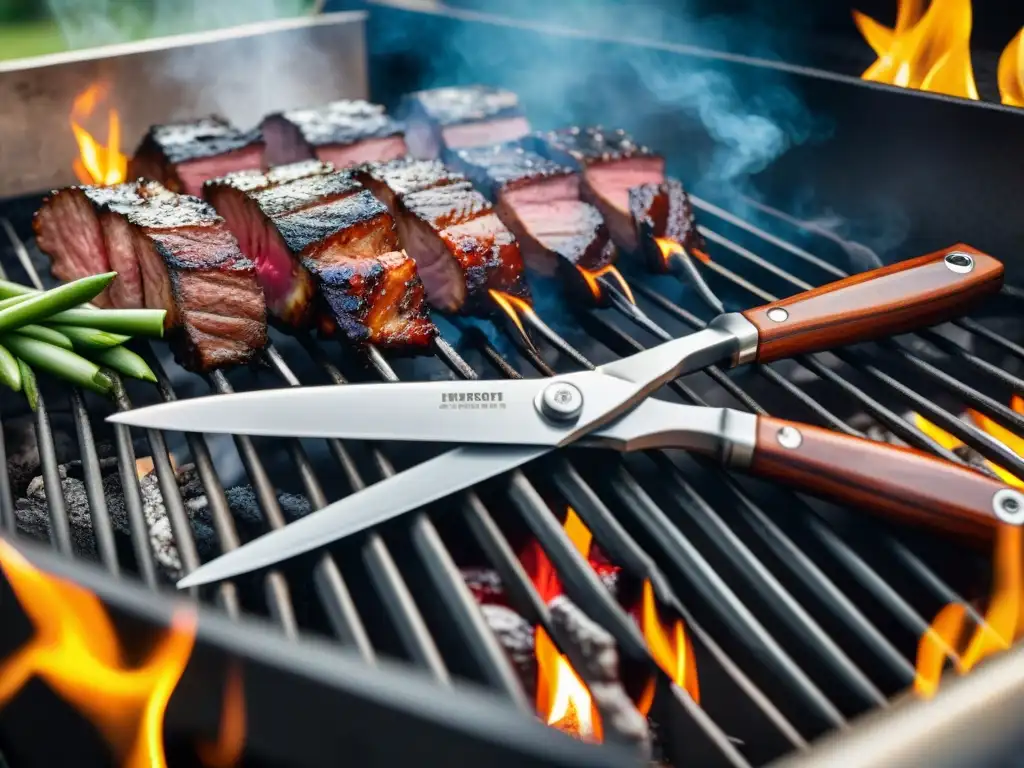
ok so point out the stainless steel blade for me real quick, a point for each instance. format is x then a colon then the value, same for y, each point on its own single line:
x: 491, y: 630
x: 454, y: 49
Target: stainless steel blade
x: 413, y: 488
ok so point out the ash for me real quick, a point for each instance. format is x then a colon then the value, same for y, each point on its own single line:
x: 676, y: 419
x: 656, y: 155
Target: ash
x: 33, y: 516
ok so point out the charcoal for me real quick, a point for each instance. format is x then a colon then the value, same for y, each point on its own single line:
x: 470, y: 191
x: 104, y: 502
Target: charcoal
x: 516, y: 636
x: 33, y: 517
x: 596, y: 660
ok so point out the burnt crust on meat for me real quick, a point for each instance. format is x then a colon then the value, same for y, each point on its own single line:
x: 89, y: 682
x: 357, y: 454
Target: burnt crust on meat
x: 405, y: 176
x: 576, y: 146
x: 663, y: 210
x: 205, y: 137
x: 307, y: 227
x: 465, y: 104
x: 254, y: 178
x: 174, y: 252
x: 503, y: 166
x: 341, y: 122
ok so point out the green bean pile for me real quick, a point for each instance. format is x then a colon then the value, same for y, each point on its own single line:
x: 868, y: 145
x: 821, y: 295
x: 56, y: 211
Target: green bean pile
x: 58, y: 332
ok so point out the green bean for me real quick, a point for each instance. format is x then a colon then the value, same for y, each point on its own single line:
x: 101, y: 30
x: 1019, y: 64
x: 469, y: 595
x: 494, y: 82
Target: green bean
x: 28, y: 384
x: 89, y: 338
x: 10, y: 373
x: 49, y: 335
x: 43, y: 305
x: 123, y: 360
x: 59, y: 362
x: 134, y: 322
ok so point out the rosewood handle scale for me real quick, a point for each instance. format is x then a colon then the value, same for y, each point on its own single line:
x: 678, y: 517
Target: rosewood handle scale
x: 898, y: 483
x: 900, y: 297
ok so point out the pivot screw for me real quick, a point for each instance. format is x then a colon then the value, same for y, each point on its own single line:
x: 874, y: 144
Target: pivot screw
x: 560, y: 401
x: 778, y: 315
x: 789, y: 437
x: 1009, y: 506
x: 959, y: 262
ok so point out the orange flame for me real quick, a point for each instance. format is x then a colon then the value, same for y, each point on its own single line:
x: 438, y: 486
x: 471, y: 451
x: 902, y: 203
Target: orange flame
x: 102, y: 164
x: 591, y: 277
x: 928, y: 49
x: 1003, y: 621
x: 513, y: 306
x: 226, y: 752
x: 562, y: 698
x: 671, y: 648
x: 670, y: 248
x: 1011, y: 72
x: 76, y: 651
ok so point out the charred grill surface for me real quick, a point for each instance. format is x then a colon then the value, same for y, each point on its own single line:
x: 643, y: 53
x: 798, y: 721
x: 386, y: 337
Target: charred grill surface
x: 182, y: 156
x: 171, y: 252
x: 539, y: 200
x: 612, y: 164
x: 663, y: 210
x: 307, y: 225
x: 342, y: 132
x: 453, y: 118
x: 460, y: 245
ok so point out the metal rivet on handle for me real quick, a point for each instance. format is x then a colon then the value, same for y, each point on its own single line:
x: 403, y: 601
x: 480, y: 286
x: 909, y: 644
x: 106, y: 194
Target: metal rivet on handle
x: 560, y: 401
x: 959, y: 262
x: 778, y: 315
x: 789, y: 437
x: 1008, y: 505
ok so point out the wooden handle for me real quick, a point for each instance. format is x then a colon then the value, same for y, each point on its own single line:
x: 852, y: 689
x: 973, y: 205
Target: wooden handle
x: 898, y: 483
x: 893, y: 299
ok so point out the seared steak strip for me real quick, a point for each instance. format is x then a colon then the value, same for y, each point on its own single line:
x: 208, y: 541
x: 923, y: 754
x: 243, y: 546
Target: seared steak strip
x: 454, y: 118
x: 181, y: 156
x: 539, y: 200
x: 342, y: 132
x: 460, y: 245
x: 308, y: 226
x: 612, y: 164
x: 663, y: 210
x: 171, y: 252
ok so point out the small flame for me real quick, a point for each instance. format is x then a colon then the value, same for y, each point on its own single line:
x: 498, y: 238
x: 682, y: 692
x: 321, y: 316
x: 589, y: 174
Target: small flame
x: 1003, y: 621
x: 1011, y: 72
x: 592, y: 276
x: 562, y: 699
x: 76, y: 651
x: 226, y: 752
x: 102, y: 164
x: 514, y: 307
x: 145, y: 465
x: 928, y: 49
x: 670, y: 248
x: 671, y: 648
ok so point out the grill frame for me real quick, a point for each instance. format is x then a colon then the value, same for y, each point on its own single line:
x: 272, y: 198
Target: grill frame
x: 695, y: 726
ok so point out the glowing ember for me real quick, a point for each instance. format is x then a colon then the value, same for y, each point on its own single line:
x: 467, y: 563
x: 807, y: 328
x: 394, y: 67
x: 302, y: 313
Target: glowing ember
x: 592, y: 277
x: 76, y: 651
x: 101, y: 164
x: 671, y: 649
x: 1011, y: 72
x: 1003, y: 621
x: 928, y: 49
x: 670, y: 248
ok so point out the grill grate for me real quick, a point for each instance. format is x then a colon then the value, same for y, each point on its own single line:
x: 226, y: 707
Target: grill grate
x: 803, y: 615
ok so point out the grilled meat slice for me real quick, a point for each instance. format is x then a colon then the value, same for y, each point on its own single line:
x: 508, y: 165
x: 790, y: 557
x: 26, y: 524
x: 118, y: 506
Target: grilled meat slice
x: 172, y: 252
x: 342, y: 132
x: 306, y: 225
x: 612, y: 164
x: 181, y: 156
x: 461, y: 247
x: 539, y: 200
x: 454, y: 118
x: 248, y: 201
x: 663, y: 210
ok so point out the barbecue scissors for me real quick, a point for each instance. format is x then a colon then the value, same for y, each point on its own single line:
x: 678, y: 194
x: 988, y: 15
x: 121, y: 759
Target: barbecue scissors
x: 504, y: 424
